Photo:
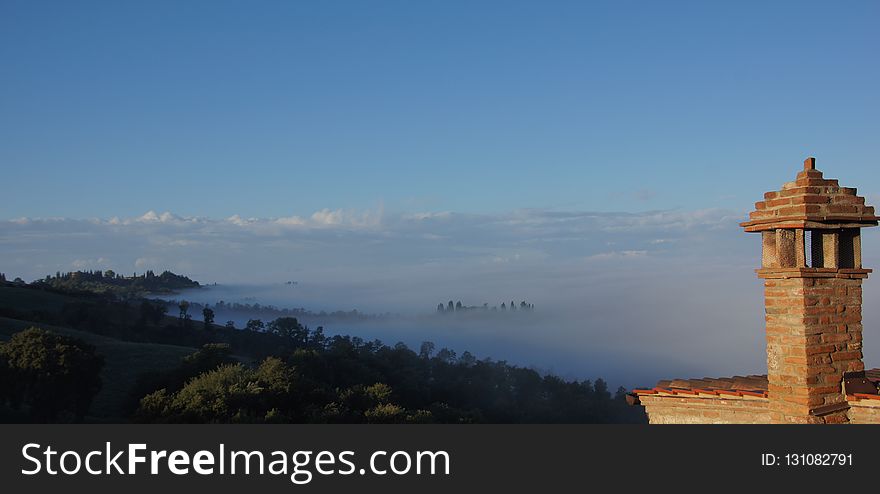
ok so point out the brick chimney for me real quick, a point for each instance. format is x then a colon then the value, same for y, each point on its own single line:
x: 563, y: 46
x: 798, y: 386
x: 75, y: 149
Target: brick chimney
x: 811, y: 265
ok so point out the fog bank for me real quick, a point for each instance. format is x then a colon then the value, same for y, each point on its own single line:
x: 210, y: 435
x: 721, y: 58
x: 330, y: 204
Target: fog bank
x: 631, y: 297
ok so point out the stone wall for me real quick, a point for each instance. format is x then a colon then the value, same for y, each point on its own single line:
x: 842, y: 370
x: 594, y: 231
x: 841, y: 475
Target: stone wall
x: 705, y: 410
x: 864, y: 411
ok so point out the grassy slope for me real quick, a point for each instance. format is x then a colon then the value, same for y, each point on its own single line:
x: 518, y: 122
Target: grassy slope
x: 28, y: 299
x: 123, y: 361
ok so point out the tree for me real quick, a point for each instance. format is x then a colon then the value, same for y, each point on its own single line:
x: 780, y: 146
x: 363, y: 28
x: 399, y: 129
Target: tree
x: 53, y: 377
x: 208, y: 315
x: 601, y: 389
x: 5, y: 381
x: 289, y: 327
x: 209, y: 357
x: 467, y: 359
x: 109, y: 274
x: 184, y: 316
x: 426, y: 350
x: 458, y: 306
x: 229, y: 393
x: 440, y: 308
x: 385, y: 413
x: 255, y: 325
x: 318, y: 339
x: 230, y: 324
x: 450, y: 307
x: 446, y: 355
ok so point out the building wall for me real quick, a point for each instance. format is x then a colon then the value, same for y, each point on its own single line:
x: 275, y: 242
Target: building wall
x: 705, y: 410
x: 667, y: 409
x: 862, y: 412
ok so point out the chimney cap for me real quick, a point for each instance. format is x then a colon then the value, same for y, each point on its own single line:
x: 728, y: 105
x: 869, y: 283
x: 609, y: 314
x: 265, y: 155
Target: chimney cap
x: 810, y: 163
x: 811, y: 202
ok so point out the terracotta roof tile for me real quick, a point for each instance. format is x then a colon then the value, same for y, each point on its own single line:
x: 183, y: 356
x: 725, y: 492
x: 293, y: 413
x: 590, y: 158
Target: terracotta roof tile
x: 752, y: 386
x: 864, y: 396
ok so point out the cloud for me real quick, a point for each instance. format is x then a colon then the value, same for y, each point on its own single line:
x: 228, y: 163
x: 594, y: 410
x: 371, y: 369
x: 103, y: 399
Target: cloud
x: 339, y: 242
x: 145, y: 262
x: 153, y: 217
x: 83, y: 264
x: 427, y: 215
x: 618, y: 254
x: 288, y: 221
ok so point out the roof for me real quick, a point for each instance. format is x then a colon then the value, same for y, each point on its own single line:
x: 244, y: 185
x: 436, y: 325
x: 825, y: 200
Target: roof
x: 754, y: 386
x: 858, y: 391
x: 811, y: 202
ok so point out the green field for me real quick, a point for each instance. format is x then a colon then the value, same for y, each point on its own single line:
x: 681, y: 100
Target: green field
x: 124, y: 361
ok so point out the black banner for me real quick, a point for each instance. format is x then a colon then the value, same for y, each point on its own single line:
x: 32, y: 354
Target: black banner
x: 401, y: 458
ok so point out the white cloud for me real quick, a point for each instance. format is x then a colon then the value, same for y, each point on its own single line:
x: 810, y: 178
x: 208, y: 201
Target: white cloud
x: 287, y: 221
x: 617, y: 254
x: 149, y: 216
x: 427, y: 215
x: 327, y: 217
x: 99, y: 263
x: 183, y: 242
x: 145, y: 262
x: 339, y: 240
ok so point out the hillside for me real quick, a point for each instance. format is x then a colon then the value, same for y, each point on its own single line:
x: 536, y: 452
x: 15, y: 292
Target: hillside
x: 124, y: 362
x: 159, y: 368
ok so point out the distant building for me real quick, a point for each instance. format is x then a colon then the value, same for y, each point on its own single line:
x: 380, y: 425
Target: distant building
x: 812, y: 271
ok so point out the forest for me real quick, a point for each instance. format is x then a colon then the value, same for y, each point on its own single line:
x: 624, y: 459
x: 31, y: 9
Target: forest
x: 110, y: 281
x: 71, y: 354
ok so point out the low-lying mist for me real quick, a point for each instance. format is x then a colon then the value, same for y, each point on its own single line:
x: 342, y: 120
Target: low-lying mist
x: 631, y: 325
x: 631, y: 298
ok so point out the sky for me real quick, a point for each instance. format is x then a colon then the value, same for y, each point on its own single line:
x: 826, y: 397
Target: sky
x: 593, y: 158
x: 281, y: 108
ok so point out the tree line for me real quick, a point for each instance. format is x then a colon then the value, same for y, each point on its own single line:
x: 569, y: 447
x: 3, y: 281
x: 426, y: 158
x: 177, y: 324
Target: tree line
x: 113, y: 282
x: 269, y: 311
x: 458, y: 307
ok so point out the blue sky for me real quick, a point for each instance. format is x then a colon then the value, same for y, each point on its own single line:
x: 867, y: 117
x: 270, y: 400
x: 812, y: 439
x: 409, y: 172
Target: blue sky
x: 273, y: 109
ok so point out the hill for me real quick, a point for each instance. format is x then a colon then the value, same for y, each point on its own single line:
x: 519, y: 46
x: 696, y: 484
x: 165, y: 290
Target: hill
x: 159, y: 368
x: 111, y: 282
x: 124, y: 363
